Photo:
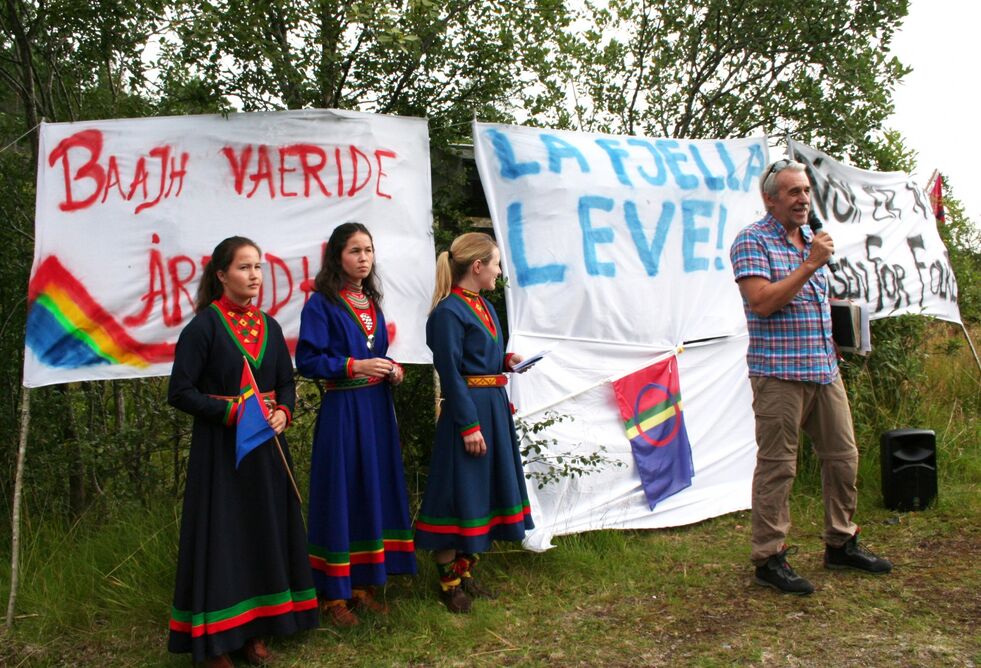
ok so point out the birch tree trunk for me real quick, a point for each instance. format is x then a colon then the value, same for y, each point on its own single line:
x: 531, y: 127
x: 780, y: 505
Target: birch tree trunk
x: 25, y: 421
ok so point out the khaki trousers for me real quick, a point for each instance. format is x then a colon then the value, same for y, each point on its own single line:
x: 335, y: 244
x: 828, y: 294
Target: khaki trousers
x: 782, y: 408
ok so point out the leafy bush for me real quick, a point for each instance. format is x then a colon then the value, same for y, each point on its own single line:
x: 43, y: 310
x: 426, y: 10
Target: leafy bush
x: 545, y: 463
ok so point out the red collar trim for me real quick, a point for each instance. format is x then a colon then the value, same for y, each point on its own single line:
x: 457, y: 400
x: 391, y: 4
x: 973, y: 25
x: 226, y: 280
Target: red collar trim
x: 479, y: 307
x: 246, y: 326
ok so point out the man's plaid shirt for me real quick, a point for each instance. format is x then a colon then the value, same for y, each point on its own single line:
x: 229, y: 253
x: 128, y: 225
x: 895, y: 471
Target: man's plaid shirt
x: 793, y: 343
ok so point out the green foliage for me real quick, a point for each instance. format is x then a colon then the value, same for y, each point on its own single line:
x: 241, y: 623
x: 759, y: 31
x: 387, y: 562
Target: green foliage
x: 115, y: 562
x: 16, y: 220
x: 85, y: 58
x: 415, y: 407
x: 97, y: 440
x: 920, y: 374
x: 444, y: 60
x: 816, y: 70
x: 545, y: 463
x: 963, y: 240
x: 894, y: 369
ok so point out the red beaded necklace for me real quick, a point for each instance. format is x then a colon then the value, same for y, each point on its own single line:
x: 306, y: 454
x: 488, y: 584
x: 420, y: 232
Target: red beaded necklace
x: 362, y: 309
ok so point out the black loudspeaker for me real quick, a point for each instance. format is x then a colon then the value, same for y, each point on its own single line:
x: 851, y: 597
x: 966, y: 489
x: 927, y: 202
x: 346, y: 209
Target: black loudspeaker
x: 909, y: 468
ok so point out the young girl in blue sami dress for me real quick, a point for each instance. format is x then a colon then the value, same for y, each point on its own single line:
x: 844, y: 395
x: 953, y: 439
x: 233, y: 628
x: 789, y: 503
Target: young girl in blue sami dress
x: 475, y: 492
x: 360, y: 530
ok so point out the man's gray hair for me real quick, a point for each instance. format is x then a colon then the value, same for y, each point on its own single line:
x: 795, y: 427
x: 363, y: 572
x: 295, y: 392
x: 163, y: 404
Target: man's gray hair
x: 768, y: 182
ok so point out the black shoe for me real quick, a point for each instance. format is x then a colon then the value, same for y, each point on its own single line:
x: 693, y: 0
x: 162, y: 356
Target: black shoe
x: 777, y: 573
x: 475, y: 590
x: 455, y: 600
x: 853, y: 555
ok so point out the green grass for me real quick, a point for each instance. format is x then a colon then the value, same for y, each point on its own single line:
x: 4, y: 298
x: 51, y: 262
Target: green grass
x: 100, y: 592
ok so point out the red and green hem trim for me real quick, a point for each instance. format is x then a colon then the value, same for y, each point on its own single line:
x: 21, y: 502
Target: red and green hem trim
x: 268, y: 605
x: 349, y: 367
x: 471, y: 428
x: 338, y: 564
x: 477, y: 526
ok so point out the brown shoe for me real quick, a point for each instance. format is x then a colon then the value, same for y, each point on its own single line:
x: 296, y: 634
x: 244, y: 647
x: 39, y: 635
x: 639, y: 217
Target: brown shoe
x: 337, y: 614
x: 364, y: 600
x: 455, y: 599
x: 219, y: 662
x: 256, y: 652
x: 475, y: 590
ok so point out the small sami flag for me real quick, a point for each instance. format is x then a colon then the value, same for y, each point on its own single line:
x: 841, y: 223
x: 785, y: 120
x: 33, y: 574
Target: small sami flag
x: 937, y: 198
x: 650, y: 404
x: 253, y: 417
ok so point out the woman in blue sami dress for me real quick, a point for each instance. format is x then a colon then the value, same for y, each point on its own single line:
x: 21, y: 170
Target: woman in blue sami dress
x: 475, y: 492
x: 360, y: 530
x: 242, y: 569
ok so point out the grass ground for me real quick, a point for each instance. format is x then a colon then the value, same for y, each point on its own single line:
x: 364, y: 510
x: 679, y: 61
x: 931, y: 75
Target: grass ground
x: 682, y: 596
x: 98, y: 592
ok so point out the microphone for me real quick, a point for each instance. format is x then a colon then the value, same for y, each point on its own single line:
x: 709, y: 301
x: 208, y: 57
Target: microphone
x: 814, y: 222
x: 816, y: 225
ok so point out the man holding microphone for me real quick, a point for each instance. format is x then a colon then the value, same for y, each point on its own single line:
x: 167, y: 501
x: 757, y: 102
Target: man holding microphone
x: 779, y: 265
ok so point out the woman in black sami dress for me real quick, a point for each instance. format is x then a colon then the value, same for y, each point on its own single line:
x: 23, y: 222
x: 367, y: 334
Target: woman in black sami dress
x: 242, y: 569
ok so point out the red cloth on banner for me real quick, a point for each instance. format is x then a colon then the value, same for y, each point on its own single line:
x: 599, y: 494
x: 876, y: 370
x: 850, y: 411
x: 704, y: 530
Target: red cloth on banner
x: 650, y: 405
x: 937, y: 199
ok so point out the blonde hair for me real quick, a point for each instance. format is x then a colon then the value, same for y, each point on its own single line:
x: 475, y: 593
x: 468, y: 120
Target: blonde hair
x: 453, y: 265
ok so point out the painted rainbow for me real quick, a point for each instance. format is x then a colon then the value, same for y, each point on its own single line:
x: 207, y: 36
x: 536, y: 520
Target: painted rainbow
x: 68, y: 329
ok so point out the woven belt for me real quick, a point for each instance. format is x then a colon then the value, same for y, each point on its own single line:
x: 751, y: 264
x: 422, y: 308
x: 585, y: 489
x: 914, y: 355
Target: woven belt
x: 268, y: 398
x: 493, y: 380
x: 350, y: 383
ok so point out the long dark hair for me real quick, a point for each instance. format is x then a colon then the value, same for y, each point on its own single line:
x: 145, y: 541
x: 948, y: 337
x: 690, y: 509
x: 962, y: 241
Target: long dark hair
x: 210, y: 288
x: 331, y: 277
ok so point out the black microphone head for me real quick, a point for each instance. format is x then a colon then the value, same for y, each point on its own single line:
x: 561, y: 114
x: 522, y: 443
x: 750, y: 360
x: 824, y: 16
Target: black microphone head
x: 814, y: 222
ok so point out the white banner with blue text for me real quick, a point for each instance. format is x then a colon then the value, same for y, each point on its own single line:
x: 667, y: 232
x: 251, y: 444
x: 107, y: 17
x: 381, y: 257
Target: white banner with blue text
x: 616, y: 250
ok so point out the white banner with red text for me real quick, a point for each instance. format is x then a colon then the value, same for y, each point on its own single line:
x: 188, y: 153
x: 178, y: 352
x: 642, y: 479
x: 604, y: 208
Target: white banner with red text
x: 128, y: 211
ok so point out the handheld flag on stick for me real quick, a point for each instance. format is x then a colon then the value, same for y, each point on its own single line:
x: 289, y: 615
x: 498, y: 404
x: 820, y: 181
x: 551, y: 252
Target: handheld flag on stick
x: 253, y: 424
x: 650, y: 405
x: 253, y: 417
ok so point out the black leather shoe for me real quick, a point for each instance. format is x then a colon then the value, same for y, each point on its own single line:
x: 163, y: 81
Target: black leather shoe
x: 777, y: 573
x: 474, y: 589
x: 853, y: 555
x: 455, y: 599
